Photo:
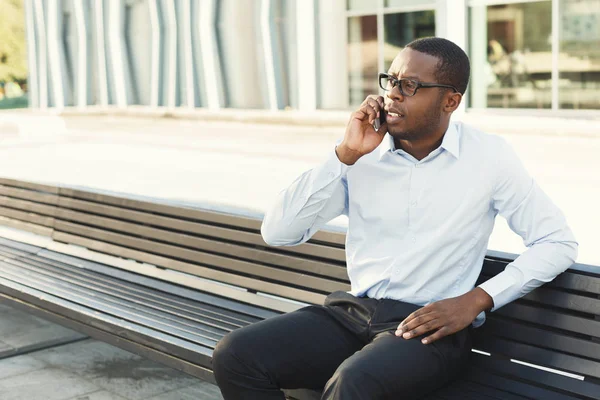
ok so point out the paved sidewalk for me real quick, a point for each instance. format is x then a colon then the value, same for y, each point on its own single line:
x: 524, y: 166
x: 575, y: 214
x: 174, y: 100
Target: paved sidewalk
x: 85, y: 369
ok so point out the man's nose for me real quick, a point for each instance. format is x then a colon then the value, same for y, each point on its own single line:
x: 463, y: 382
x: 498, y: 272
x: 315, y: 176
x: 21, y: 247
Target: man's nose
x: 395, y: 94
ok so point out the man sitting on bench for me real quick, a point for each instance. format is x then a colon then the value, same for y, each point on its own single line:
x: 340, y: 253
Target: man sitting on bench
x: 421, y: 195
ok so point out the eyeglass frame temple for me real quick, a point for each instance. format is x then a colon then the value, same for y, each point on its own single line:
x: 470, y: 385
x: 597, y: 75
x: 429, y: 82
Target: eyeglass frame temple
x: 419, y: 84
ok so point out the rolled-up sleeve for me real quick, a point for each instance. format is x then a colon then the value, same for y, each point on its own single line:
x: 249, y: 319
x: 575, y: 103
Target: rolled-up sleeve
x: 551, y: 245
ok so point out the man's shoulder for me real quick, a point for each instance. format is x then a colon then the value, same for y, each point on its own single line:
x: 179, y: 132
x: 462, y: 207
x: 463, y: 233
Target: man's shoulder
x: 475, y: 140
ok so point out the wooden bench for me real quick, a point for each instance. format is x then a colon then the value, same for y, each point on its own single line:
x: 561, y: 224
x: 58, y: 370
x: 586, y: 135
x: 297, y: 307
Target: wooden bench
x: 167, y: 282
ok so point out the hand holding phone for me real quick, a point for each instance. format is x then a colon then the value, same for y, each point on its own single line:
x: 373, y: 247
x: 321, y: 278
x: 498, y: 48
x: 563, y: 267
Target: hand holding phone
x: 379, y: 121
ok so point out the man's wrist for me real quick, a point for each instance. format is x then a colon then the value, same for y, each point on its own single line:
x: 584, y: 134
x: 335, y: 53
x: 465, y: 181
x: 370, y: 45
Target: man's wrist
x: 346, y: 156
x: 482, y: 301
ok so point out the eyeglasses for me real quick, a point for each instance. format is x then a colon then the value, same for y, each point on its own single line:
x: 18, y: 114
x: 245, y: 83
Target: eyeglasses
x: 408, y: 87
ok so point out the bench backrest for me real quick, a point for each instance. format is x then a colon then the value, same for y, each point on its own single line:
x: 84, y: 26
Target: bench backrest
x: 556, y: 326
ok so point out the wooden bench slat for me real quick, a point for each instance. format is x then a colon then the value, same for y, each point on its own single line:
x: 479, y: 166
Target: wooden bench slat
x: 28, y: 217
x: 148, y: 294
x: 222, y: 262
x: 516, y: 387
x: 127, y: 295
x: 577, y: 387
x: 70, y: 293
x: 40, y: 187
x: 25, y: 226
x: 538, y: 356
x: 45, y: 303
x: 176, y: 293
x: 29, y: 195
x: 205, y: 272
x: 213, y: 244
x: 541, y: 338
x: 312, y: 249
x: 551, y: 318
x: 187, y: 212
x: 28, y: 206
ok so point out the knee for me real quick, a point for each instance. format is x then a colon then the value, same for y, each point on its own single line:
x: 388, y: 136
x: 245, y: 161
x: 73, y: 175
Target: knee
x: 351, y: 381
x: 227, y: 353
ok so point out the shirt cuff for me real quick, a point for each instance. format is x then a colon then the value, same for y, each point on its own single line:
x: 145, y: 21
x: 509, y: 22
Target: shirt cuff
x: 504, y: 287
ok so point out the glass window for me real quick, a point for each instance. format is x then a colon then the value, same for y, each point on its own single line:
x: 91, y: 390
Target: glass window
x: 579, y: 57
x: 402, y: 28
x: 404, y: 3
x: 362, y: 58
x: 511, y: 55
x: 361, y: 5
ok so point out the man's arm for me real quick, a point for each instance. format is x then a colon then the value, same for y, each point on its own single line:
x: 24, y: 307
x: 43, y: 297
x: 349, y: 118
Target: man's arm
x: 551, y: 245
x: 321, y: 194
x: 551, y: 250
x: 316, y: 197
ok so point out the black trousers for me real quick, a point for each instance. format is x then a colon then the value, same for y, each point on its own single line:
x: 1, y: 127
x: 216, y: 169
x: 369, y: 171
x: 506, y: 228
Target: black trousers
x: 347, y: 346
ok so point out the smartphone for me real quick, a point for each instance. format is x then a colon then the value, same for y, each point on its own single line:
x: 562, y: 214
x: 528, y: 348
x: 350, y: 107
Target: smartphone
x: 379, y: 121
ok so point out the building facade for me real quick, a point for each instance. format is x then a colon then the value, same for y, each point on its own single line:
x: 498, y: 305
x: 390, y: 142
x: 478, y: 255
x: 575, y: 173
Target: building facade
x: 305, y: 54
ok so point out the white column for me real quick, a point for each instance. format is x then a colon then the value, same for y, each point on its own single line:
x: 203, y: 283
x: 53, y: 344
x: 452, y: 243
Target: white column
x: 115, y: 45
x: 333, y: 55
x: 210, y: 54
x: 265, y: 29
x: 57, y: 66
x: 478, y: 57
x: 170, y: 75
x: 81, y: 76
x: 188, y: 85
x: 32, y: 78
x: 102, y: 74
x: 154, y: 53
x: 451, y: 23
x: 307, y: 72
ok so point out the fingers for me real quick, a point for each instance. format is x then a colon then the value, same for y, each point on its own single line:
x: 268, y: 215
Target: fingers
x: 419, y: 326
x: 444, y: 331
x: 371, y: 107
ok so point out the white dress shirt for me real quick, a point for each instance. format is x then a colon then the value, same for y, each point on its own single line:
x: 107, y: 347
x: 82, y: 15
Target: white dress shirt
x: 418, y: 230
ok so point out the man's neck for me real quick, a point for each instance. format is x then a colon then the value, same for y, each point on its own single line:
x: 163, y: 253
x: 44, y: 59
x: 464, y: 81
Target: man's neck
x: 422, y: 147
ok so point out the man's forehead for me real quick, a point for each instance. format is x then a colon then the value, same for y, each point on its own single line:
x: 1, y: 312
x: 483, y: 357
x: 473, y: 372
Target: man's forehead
x: 410, y: 63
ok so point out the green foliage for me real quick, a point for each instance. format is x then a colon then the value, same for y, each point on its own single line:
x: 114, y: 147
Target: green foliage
x: 13, y: 51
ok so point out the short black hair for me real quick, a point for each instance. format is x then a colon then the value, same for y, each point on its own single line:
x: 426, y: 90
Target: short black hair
x: 453, y: 68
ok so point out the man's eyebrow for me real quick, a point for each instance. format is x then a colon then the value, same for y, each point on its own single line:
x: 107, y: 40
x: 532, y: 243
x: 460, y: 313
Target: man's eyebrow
x: 415, y: 77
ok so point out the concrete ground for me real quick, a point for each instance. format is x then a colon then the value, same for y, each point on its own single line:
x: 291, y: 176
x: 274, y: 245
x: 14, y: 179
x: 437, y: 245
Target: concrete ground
x: 84, y: 369
x: 241, y: 167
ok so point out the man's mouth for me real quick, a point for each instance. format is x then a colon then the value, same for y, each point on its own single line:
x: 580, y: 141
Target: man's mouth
x: 394, y: 114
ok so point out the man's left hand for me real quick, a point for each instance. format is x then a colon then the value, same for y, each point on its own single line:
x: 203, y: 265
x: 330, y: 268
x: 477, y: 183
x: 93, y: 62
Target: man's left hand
x: 445, y: 317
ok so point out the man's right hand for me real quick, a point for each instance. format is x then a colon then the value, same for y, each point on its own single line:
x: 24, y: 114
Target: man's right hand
x: 361, y: 138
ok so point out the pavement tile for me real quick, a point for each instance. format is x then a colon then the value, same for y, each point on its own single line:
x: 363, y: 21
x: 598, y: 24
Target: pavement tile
x: 45, y: 384
x: 19, y: 365
x: 19, y: 329
x: 199, y: 391
x: 100, y: 395
x: 116, y: 370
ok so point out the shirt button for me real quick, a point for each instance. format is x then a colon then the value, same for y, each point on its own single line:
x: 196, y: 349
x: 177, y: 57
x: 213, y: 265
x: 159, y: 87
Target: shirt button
x: 414, y: 203
x: 331, y: 175
x: 414, y: 239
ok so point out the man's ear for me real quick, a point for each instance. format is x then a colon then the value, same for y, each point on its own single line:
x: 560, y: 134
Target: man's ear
x: 452, y: 102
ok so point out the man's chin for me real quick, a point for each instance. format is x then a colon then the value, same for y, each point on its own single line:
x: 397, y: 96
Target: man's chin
x: 399, y: 134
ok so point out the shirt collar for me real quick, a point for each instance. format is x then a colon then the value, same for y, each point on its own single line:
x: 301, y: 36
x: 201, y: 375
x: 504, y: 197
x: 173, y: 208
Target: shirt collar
x: 450, y: 143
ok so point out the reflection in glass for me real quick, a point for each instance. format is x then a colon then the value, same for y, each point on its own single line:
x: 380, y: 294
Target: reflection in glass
x: 579, y: 57
x: 511, y: 55
x: 402, y: 28
x: 362, y: 58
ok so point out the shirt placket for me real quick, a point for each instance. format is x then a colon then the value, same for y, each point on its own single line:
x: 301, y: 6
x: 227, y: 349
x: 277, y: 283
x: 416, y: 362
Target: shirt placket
x: 414, y: 193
